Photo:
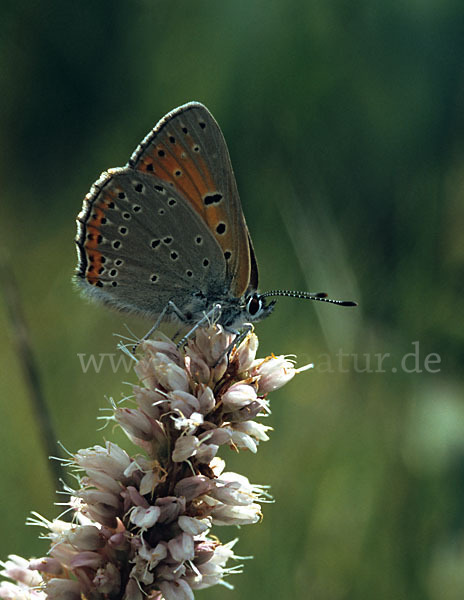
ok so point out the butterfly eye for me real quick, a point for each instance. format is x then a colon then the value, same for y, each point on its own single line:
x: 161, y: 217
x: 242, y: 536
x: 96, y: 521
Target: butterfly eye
x: 255, y: 305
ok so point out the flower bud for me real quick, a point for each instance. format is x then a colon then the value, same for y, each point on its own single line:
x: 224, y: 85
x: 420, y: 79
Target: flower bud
x: 184, y: 402
x: 134, y: 423
x: 86, y: 559
x: 206, y: 453
x: 206, y: 400
x: 149, y: 401
x: 171, y: 507
x: 102, y: 480
x: 86, y: 537
x: 162, y: 344
x: 192, y: 487
x: 244, y: 441
x: 170, y: 375
x: 186, y: 446
x: 245, y: 354
x: 212, y: 343
x: 47, y: 565
x: 196, y: 366
x: 112, y: 459
x: 239, y: 395
x: 193, y: 526
x: 176, y: 590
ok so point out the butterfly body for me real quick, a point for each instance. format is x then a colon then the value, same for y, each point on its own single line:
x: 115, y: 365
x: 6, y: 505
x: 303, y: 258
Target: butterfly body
x: 168, y: 229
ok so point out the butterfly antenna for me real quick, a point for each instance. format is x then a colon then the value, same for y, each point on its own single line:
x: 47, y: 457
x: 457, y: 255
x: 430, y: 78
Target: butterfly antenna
x: 320, y: 296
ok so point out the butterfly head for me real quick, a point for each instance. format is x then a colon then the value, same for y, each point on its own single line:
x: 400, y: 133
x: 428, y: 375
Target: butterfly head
x: 251, y: 308
x: 256, y: 307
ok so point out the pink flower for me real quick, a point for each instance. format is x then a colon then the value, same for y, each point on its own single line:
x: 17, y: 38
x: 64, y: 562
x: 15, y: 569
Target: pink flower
x: 274, y: 372
x: 142, y: 526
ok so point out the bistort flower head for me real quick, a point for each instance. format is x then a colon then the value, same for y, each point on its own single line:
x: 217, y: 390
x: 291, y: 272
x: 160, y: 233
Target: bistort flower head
x: 141, y: 527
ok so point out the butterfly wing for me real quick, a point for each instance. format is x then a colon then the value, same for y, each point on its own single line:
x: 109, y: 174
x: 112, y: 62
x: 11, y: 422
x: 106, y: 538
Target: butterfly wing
x: 253, y: 282
x: 140, y: 244
x: 187, y: 151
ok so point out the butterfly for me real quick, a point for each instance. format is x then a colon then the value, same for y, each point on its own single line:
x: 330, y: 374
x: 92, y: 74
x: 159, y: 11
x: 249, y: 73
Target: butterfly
x: 166, y: 235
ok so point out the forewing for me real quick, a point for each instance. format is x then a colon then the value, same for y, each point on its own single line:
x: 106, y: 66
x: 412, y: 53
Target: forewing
x: 187, y: 151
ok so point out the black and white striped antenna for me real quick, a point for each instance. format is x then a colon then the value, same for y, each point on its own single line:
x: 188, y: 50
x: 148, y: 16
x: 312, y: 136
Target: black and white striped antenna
x: 319, y: 296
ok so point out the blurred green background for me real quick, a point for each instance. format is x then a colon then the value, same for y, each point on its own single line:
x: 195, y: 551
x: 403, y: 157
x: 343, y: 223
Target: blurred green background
x: 345, y: 126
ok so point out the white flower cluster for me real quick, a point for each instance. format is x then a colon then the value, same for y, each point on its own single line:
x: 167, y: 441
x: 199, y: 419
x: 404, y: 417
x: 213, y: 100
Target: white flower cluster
x: 142, y: 522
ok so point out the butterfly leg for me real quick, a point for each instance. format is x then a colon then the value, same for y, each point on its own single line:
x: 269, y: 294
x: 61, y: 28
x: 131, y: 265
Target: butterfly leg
x: 173, y: 309
x: 207, y: 317
x: 239, y: 337
x: 170, y: 307
x: 158, y: 321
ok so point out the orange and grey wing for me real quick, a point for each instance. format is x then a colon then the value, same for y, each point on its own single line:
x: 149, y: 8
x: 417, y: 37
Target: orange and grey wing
x: 187, y: 151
